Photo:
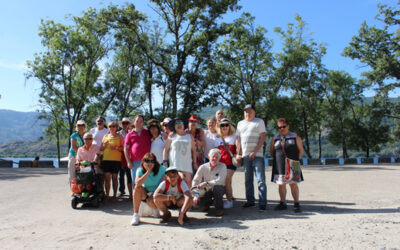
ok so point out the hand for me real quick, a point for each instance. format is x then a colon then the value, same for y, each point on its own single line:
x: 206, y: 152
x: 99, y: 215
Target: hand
x: 148, y: 167
x: 104, y: 144
x: 195, y: 167
x: 252, y: 155
x: 130, y: 165
x: 238, y: 158
x: 196, y: 200
x: 202, y: 185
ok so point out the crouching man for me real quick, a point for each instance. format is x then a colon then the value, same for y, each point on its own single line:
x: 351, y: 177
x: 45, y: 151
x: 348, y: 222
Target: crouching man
x: 213, y: 175
x: 173, y: 192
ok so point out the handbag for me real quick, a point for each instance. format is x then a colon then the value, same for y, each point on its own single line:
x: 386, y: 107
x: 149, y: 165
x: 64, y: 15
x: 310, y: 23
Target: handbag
x: 292, y: 167
x: 234, y: 161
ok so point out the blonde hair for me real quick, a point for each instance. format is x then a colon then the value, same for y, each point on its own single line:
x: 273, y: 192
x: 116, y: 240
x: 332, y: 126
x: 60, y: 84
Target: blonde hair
x: 231, y: 130
x: 112, y: 123
x: 76, y: 127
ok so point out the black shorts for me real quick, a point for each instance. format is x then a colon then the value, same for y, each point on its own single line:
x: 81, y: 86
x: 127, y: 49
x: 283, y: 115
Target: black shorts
x: 231, y: 167
x: 112, y: 167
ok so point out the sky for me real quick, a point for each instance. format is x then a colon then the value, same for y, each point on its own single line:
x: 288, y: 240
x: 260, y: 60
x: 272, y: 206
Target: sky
x: 333, y: 23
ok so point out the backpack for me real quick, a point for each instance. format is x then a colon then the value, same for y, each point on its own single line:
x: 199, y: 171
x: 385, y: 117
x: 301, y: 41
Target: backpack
x: 179, y: 185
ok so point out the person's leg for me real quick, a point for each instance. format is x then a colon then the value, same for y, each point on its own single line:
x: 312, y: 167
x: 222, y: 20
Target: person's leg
x: 136, y: 165
x: 129, y: 181
x: 150, y: 202
x: 228, y: 184
x: 218, y: 192
x: 295, y: 191
x: 259, y: 166
x: 115, y: 184
x: 206, y: 200
x: 162, y: 205
x: 122, y: 172
x: 139, y: 194
x: 71, y: 169
x: 107, y: 177
x: 185, y: 203
x: 282, y: 192
x: 249, y: 179
x: 187, y: 177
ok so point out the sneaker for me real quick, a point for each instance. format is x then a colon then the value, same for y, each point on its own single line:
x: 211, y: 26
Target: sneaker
x: 262, y: 207
x: 297, y: 208
x: 248, y: 204
x: 219, y: 212
x: 135, y: 219
x: 281, y: 206
x: 205, y: 208
x: 228, y: 204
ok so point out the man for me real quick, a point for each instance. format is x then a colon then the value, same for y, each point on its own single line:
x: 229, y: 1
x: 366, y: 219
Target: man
x: 124, y: 124
x: 213, y: 175
x: 99, y: 131
x: 137, y: 144
x: 249, y: 146
x: 89, y: 151
x: 173, y: 192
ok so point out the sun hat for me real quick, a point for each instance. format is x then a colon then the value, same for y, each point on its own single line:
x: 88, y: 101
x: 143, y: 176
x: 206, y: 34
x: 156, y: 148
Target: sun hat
x: 80, y: 122
x: 165, y: 121
x: 193, y: 118
x: 224, y: 121
x: 125, y: 119
x: 171, y: 123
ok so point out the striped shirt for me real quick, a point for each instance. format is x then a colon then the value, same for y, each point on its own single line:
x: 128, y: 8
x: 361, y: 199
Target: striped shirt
x: 249, y: 132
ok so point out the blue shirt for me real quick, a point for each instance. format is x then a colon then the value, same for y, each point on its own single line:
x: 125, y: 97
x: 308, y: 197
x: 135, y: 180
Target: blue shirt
x: 152, y: 181
x: 79, y: 143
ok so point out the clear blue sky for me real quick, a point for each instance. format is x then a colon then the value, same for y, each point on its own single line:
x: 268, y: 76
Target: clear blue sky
x: 331, y: 22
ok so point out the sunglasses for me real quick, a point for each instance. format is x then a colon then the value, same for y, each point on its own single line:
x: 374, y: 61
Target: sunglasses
x: 88, y: 139
x: 178, y: 123
x: 125, y: 123
x: 282, y: 127
x: 224, y: 125
x: 100, y: 121
x: 149, y: 161
x: 112, y: 126
x: 81, y: 125
x: 194, y: 122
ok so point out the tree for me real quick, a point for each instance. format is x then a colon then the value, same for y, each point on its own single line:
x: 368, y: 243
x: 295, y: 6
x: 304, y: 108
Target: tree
x: 342, y: 92
x: 379, y: 50
x: 192, y: 28
x: 301, y: 69
x: 68, y: 70
x: 243, y: 67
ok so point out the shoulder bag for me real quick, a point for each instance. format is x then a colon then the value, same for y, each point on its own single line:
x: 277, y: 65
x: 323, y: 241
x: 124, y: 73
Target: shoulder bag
x: 292, y: 167
x: 234, y: 161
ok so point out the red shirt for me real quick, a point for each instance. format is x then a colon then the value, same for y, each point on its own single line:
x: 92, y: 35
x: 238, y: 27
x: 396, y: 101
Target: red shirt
x: 225, y: 156
x: 140, y: 144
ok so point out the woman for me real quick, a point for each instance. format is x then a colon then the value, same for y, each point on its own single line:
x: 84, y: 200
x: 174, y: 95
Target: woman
x: 180, y: 151
x: 148, y: 176
x: 76, y: 142
x: 285, y: 144
x: 157, y: 141
x: 226, y: 143
x: 125, y: 171
x: 198, y: 136
x: 209, y: 136
x: 112, y: 147
x: 99, y: 131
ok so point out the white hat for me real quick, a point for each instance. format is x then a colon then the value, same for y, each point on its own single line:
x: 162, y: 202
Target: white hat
x: 80, y: 122
x: 125, y: 119
x: 166, y: 120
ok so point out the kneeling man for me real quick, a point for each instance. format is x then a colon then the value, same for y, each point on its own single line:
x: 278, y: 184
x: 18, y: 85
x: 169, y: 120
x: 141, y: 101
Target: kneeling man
x: 173, y: 192
x: 213, y: 175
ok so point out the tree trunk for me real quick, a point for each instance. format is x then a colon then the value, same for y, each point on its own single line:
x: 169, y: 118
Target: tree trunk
x: 306, y: 140
x: 319, y: 145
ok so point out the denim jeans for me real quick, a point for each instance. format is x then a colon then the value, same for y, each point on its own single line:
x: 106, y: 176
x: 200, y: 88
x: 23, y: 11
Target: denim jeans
x: 256, y: 166
x: 136, y: 165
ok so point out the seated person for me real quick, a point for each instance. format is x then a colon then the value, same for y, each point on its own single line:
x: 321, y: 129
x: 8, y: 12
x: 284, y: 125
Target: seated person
x: 148, y: 177
x: 173, y: 192
x: 89, y: 151
x: 213, y: 174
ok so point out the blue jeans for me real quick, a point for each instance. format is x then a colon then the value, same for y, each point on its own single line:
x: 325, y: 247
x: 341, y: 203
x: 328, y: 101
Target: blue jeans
x: 136, y: 165
x: 256, y: 166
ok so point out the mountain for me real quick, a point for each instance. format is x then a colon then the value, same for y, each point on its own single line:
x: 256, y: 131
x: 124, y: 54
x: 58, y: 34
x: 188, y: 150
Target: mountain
x: 20, y: 126
x: 39, y: 147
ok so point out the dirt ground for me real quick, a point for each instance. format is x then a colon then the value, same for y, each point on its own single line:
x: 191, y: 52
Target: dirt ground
x: 344, y: 207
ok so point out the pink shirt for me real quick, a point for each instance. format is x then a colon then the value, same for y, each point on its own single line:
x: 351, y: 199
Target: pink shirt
x: 140, y: 144
x: 87, y: 155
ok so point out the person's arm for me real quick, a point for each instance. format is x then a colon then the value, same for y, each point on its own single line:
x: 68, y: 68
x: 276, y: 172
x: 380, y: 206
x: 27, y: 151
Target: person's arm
x: 194, y: 154
x: 271, y: 148
x: 159, y: 195
x: 299, y: 143
x: 166, y: 151
x: 139, y: 180
x: 127, y: 148
x: 259, y: 145
x: 74, y: 145
x: 197, y: 177
x: 238, y: 149
x: 202, y: 141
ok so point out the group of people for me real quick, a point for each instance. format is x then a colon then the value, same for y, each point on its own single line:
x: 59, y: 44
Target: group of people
x: 168, y: 166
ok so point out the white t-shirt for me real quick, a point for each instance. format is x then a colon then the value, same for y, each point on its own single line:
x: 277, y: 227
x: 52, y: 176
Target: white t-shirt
x: 98, y: 135
x: 173, y: 191
x: 230, y: 140
x: 210, y: 140
x: 249, y: 133
x: 157, y: 148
